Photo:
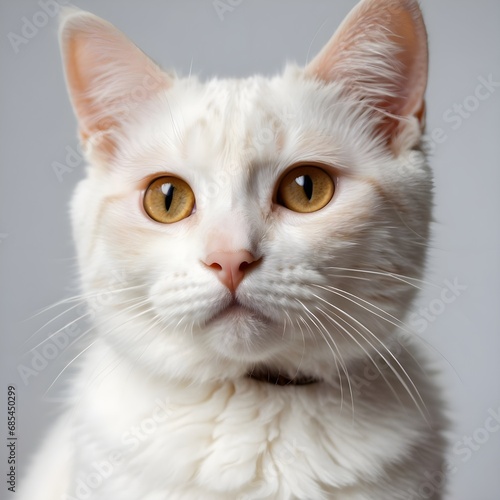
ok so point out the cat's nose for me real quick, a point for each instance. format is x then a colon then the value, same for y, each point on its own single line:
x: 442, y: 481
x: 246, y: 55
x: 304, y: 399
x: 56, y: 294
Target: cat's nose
x: 230, y: 267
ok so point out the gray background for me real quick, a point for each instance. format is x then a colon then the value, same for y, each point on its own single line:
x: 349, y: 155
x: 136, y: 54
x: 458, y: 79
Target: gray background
x: 37, y: 125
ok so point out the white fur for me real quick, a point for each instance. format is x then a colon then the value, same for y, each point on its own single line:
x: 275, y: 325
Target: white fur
x: 158, y: 363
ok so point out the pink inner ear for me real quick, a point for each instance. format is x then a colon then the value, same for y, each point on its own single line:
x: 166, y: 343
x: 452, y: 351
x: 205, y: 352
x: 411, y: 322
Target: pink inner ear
x: 412, y: 37
x: 107, y: 75
x: 381, y: 52
x: 79, y: 72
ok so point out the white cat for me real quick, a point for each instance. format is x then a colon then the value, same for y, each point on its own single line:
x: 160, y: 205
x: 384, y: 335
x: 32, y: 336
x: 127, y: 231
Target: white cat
x: 268, y: 235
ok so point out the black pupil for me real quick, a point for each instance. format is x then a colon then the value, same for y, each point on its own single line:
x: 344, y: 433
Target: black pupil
x: 168, y: 190
x: 306, y: 183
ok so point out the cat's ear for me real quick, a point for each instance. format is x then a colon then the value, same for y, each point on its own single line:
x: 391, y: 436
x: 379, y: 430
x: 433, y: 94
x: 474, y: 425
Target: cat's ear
x: 380, y: 53
x: 106, y: 74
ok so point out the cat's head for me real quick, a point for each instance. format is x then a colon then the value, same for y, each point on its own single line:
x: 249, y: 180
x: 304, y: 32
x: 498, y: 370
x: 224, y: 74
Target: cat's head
x: 236, y: 224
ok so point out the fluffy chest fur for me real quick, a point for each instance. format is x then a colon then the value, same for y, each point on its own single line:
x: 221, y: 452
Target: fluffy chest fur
x: 244, y: 439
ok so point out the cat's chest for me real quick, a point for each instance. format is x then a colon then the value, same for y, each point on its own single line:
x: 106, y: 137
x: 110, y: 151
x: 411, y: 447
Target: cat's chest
x: 229, y: 440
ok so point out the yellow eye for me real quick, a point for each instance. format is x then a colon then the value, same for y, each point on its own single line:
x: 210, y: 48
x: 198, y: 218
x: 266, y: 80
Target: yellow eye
x: 306, y: 189
x: 168, y: 199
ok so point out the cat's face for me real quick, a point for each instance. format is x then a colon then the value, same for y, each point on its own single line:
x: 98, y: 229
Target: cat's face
x: 251, y: 222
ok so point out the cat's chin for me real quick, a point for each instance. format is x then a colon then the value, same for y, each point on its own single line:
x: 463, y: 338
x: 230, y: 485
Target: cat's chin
x: 240, y: 333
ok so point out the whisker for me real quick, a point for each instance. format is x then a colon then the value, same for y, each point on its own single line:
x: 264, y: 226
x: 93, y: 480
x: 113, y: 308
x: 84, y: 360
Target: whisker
x: 401, y: 325
x: 303, y: 343
x: 82, y: 297
x: 147, y: 311
x: 314, y: 318
x: 399, y: 277
x: 391, y: 354
x: 359, y: 278
x: 154, y: 322
x: 351, y: 298
x: 119, y: 361
x: 76, y: 320
x: 92, y: 343
x: 67, y: 366
x: 54, y: 333
x: 351, y: 336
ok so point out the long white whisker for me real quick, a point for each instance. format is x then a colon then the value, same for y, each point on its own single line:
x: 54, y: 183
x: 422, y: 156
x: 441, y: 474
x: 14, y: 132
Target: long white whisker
x: 68, y: 365
x: 80, y: 318
x: 92, y: 343
x: 154, y: 322
x: 316, y: 320
x: 401, y: 325
x: 57, y: 331
x: 97, y: 375
x: 351, y: 336
x: 391, y: 354
x: 82, y: 298
x: 398, y: 277
x: 303, y: 343
x: 354, y: 298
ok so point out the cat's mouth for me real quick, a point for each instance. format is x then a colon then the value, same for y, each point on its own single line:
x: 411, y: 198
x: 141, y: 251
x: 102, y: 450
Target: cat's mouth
x: 236, y: 310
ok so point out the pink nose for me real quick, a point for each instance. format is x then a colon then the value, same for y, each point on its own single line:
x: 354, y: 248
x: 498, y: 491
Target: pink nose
x: 230, y: 267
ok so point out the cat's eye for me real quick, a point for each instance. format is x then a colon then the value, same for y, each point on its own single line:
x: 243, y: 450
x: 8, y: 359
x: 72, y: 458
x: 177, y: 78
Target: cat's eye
x: 306, y: 189
x: 168, y: 199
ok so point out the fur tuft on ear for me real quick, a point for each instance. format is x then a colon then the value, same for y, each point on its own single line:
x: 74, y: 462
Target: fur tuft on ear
x: 106, y: 74
x: 380, y: 54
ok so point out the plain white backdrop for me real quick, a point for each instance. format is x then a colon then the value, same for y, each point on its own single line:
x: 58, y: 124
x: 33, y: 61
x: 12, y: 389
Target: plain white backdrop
x: 40, y: 166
